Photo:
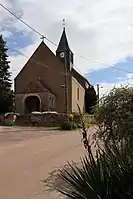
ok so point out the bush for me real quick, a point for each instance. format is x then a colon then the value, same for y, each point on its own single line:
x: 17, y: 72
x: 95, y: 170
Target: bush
x: 71, y: 117
x: 69, y: 126
x: 107, y: 175
x: 106, y: 172
x: 79, y: 125
x: 8, y: 124
x: 115, y: 114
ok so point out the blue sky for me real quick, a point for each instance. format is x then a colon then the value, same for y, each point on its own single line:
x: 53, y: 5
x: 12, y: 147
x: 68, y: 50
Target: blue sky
x: 17, y: 41
x: 111, y: 75
x: 102, y: 32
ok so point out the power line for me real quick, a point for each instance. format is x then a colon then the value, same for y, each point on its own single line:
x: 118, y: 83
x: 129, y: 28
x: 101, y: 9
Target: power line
x: 20, y: 53
x: 51, y: 41
x: 42, y: 37
x: 26, y: 24
x: 78, y: 70
x: 97, y: 62
x: 39, y: 63
x: 65, y: 75
x: 34, y: 61
x: 8, y: 10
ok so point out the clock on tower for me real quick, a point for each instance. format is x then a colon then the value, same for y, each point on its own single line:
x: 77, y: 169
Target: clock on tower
x: 62, y: 55
x: 64, y: 50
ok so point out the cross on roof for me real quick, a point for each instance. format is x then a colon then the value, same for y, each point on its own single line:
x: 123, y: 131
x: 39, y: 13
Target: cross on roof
x: 64, y: 23
x: 42, y: 38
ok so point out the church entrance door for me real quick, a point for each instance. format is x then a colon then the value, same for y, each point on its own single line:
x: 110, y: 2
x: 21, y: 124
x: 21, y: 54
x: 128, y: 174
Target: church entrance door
x: 32, y: 103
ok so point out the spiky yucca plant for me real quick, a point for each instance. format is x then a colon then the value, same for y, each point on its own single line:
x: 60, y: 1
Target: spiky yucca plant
x: 107, y: 175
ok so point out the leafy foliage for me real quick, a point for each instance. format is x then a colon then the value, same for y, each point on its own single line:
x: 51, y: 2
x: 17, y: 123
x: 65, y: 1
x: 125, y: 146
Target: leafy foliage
x: 90, y: 99
x: 6, y: 95
x: 106, y: 175
x: 115, y: 115
x: 69, y: 126
x: 107, y: 171
x: 70, y: 117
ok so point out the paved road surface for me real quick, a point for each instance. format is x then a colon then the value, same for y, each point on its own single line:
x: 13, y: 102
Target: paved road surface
x: 27, y: 156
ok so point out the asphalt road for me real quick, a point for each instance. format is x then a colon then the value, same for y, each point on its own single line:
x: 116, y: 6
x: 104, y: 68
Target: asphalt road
x: 27, y: 156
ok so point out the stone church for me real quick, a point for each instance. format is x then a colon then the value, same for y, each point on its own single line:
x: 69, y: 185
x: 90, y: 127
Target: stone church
x: 49, y: 82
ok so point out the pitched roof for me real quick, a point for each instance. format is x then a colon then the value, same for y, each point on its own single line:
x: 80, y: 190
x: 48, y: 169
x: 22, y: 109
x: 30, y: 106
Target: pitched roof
x: 82, y: 80
x: 63, y: 44
x: 44, y: 49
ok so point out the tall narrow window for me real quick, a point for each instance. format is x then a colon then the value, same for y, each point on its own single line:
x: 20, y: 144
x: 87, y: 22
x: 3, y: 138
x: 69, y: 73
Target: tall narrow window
x: 77, y: 93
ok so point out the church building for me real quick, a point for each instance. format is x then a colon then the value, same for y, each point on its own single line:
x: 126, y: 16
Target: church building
x: 49, y: 82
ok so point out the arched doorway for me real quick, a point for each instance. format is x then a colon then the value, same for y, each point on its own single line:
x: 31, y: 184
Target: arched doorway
x: 32, y: 103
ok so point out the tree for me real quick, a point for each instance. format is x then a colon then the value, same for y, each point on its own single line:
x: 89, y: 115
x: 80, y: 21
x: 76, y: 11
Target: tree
x: 107, y: 169
x: 114, y: 117
x: 6, y: 94
x: 90, y: 99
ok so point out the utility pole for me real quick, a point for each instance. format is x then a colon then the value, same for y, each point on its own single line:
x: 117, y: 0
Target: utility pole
x: 66, y: 82
x: 98, y: 93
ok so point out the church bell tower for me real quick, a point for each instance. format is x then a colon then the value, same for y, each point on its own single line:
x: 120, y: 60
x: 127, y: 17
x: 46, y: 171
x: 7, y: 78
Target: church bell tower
x: 64, y: 50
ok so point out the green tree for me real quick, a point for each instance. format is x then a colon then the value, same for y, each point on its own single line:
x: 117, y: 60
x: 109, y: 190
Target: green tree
x: 106, y: 172
x: 114, y: 117
x: 90, y: 99
x: 6, y: 94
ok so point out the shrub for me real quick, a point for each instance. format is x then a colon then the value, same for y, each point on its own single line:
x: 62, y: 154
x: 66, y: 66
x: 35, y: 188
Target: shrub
x: 106, y: 172
x: 115, y: 114
x: 9, y: 123
x: 79, y: 125
x: 107, y: 175
x: 71, y: 117
x: 69, y: 126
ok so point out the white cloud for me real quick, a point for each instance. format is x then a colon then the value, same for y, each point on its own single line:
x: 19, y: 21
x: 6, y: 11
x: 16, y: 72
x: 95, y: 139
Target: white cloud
x: 101, y: 30
x: 6, y: 34
x: 129, y: 75
x: 105, y: 87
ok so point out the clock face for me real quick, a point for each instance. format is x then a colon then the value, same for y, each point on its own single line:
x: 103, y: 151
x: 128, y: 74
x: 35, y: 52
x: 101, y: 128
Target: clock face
x: 62, y: 54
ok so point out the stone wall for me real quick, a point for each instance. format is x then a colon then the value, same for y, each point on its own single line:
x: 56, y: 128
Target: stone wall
x: 24, y: 120
x: 41, y: 120
x: 44, y: 120
x: 48, y: 119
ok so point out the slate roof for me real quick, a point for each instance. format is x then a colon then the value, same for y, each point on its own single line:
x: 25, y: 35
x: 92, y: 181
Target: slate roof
x: 63, y: 44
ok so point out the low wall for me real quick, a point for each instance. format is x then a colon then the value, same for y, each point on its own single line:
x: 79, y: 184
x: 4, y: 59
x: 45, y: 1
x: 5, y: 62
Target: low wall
x: 48, y: 119
x: 23, y: 120
x: 44, y: 120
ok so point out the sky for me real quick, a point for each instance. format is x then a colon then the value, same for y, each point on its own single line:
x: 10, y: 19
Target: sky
x: 101, y: 31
